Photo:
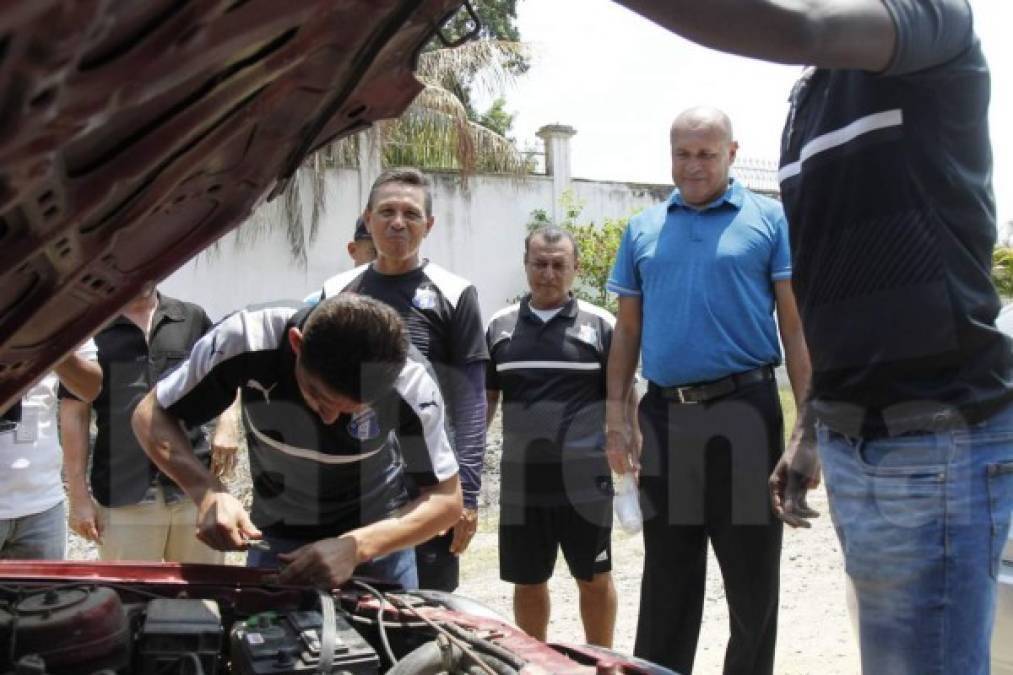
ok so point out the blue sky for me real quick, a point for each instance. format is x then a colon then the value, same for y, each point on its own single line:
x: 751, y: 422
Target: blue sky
x: 619, y: 80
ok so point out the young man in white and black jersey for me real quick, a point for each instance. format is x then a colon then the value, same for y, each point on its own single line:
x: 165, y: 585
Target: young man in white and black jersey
x: 548, y: 355
x: 339, y: 412
x: 442, y: 315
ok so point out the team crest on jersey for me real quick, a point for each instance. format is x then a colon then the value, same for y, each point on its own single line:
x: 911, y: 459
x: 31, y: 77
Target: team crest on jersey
x: 365, y: 425
x: 588, y: 334
x: 425, y: 298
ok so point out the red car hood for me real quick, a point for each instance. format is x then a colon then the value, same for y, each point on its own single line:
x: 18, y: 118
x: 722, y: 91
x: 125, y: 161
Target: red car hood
x: 134, y: 134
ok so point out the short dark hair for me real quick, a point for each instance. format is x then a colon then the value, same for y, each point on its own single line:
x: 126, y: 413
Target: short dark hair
x: 551, y: 234
x: 358, y: 346
x: 405, y: 176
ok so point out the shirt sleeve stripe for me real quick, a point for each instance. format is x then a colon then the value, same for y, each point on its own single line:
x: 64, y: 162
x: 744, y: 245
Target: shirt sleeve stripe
x: 621, y: 290
x: 240, y: 333
x: 416, y: 386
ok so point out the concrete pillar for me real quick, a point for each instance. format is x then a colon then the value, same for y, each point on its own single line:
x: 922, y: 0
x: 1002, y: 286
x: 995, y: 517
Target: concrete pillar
x: 370, y: 162
x: 557, y: 162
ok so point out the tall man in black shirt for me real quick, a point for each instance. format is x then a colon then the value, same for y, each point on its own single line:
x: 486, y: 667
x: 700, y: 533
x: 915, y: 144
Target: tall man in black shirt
x: 442, y: 315
x: 886, y: 180
x: 338, y: 411
x: 133, y: 511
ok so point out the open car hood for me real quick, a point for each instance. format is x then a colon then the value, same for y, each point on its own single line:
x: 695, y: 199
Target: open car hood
x: 135, y: 133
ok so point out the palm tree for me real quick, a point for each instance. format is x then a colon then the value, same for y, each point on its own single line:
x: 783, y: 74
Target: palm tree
x: 438, y: 131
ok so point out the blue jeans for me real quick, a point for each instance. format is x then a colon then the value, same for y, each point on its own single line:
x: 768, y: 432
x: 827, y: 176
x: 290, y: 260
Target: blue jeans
x: 40, y: 536
x: 922, y: 521
x: 397, y: 567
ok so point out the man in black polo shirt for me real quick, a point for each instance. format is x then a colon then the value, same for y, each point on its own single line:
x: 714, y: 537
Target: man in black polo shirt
x: 886, y: 175
x: 548, y: 356
x: 442, y: 315
x: 131, y: 510
x: 338, y: 410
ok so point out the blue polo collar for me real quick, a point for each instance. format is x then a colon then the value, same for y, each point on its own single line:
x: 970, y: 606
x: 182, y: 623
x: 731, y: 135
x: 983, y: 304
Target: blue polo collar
x: 733, y: 196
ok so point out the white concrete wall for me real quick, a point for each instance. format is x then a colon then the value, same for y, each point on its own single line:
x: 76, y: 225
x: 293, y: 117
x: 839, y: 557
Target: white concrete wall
x: 479, y: 234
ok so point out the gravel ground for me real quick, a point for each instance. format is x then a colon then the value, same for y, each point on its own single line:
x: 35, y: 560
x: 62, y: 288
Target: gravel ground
x: 815, y: 636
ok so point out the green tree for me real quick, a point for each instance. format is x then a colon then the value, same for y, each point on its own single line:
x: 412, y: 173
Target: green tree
x: 439, y: 130
x: 499, y: 23
x: 1002, y: 270
x: 497, y: 119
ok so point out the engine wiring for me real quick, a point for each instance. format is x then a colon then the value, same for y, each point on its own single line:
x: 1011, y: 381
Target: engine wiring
x: 381, y: 628
x: 481, y: 655
x: 463, y: 645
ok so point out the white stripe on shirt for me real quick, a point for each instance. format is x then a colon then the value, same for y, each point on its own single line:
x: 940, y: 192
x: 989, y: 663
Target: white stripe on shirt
x: 842, y: 136
x: 546, y: 365
x: 305, y: 453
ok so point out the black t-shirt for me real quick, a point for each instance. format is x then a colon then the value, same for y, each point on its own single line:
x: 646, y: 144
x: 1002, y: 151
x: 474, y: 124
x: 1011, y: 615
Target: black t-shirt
x: 310, y: 479
x: 552, y: 378
x: 886, y: 181
x: 439, y: 308
x: 121, y: 472
x: 442, y: 315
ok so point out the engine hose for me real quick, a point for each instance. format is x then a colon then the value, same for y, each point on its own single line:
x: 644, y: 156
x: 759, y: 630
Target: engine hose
x: 436, y: 656
x: 485, y: 646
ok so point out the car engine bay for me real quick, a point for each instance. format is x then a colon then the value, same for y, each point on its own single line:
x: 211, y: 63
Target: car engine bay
x: 179, y: 620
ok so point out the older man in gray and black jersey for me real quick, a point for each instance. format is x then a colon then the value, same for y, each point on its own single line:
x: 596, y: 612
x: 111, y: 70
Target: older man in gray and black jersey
x: 548, y: 355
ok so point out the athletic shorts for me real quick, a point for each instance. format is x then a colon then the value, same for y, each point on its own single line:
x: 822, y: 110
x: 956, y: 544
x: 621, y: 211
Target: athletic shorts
x: 439, y: 569
x: 530, y: 538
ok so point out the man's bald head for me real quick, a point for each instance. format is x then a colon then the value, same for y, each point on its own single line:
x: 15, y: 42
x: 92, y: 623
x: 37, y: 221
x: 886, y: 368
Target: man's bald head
x: 703, y: 151
x: 703, y: 117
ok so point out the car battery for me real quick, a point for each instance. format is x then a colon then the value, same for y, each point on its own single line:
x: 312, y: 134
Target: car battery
x: 177, y: 630
x: 289, y: 642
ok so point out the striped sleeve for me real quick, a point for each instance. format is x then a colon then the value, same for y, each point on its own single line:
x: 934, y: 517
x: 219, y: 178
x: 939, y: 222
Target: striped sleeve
x: 205, y: 384
x: 422, y: 434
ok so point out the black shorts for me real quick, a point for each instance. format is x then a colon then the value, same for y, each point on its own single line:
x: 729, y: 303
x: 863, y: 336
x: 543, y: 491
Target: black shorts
x: 438, y: 568
x: 530, y: 538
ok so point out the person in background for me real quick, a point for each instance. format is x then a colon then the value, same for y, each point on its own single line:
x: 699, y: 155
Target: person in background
x: 361, y: 249
x: 124, y: 504
x: 33, y: 520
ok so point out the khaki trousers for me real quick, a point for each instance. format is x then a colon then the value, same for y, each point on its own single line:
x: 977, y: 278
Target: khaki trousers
x: 155, y: 532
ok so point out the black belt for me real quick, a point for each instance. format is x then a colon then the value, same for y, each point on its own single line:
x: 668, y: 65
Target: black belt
x: 708, y: 391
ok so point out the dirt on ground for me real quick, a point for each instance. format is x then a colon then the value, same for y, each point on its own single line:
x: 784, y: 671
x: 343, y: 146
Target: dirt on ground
x: 815, y: 636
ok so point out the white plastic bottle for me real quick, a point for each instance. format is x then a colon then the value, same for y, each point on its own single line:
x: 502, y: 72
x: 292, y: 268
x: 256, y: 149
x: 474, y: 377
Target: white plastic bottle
x: 627, y: 504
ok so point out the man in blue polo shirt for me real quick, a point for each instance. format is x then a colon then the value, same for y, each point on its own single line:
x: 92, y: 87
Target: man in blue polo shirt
x: 698, y: 279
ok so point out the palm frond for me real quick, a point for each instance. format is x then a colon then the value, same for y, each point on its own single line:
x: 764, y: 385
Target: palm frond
x: 484, y: 65
x: 436, y: 131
